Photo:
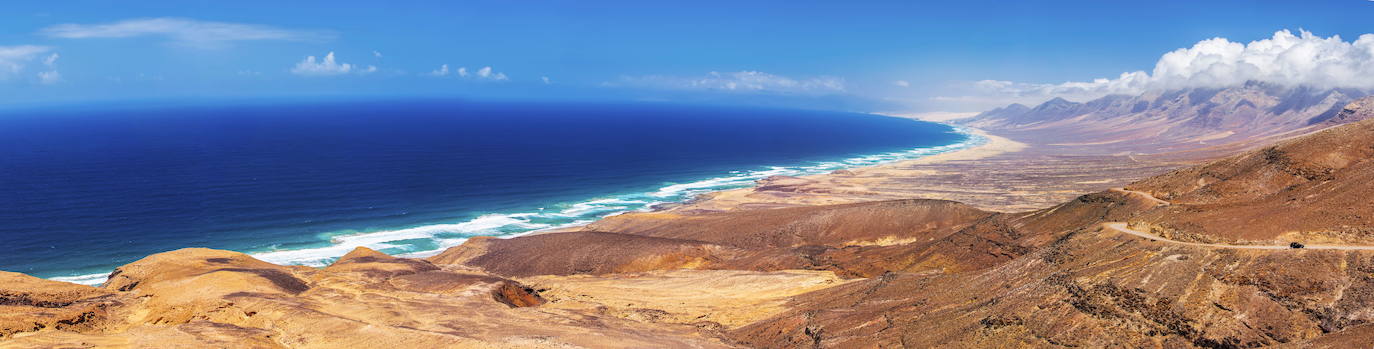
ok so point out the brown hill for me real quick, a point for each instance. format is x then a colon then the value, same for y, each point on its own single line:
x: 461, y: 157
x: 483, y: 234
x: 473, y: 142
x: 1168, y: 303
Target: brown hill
x: 581, y: 253
x: 837, y: 225
x: 851, y: 240
x: 1314, y: 189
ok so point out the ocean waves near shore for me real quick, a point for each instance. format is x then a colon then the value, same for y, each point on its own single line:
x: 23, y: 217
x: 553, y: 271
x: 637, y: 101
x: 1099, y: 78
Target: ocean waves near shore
x: 426, y: 240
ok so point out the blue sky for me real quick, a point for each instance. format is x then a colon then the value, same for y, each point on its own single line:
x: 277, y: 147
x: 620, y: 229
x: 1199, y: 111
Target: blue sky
x: 904, y: 56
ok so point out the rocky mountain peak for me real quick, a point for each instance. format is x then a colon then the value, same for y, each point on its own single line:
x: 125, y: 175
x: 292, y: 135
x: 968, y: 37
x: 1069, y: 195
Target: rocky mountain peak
x: 1056, y: 103
x: 1358, y: 110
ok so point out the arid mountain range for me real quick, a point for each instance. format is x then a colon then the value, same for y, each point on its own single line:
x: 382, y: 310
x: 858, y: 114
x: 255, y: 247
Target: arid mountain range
x: 1176, y: 120
x: 1194, y: 256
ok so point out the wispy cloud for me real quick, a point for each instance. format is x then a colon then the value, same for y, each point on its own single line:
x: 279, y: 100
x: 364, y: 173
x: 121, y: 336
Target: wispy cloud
x: 328, y: 66
x: 742, y: 81
x: 901, y: 83
x: 14, y: 58
x: 1288, y: 59
x: 189, y: 32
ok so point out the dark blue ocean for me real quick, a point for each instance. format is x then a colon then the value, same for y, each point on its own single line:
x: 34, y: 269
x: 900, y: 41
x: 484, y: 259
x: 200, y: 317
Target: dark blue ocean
x: 86, y: 189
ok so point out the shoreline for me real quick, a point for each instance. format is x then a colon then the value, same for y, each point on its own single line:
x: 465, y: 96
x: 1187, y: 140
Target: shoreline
x: 671, y: 195
x: 989, y: 145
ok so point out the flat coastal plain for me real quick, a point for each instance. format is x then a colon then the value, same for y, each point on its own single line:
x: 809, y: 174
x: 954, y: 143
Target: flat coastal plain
x: 1001, y: 174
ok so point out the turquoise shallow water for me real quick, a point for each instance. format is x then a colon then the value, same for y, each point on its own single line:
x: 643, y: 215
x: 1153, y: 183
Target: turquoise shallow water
x: 87, y: 190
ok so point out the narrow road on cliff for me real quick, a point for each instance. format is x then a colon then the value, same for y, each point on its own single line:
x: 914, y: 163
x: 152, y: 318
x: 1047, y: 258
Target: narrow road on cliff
x: 1122, y: 227
x: 1147, y: 196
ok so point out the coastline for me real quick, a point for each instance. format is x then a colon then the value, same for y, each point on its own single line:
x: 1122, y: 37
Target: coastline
x: 667, y: 198
x: 840, y: 181
x: 998, y: 173
x: 995, y: 145
x: 983, y: 145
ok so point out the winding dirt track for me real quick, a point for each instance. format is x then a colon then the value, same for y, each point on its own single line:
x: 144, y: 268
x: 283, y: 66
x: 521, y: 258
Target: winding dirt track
x: 1147, y: 196
x: 1121, y: 227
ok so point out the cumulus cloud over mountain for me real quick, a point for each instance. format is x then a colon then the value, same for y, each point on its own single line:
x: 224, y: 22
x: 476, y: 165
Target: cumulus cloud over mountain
x: 1286, y: 59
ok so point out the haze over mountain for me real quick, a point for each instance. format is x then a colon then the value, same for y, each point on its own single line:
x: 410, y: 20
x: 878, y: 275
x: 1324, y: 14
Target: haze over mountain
x: 1180, y: 119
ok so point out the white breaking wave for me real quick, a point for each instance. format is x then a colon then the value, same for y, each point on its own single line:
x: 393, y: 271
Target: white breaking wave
x: 91, y: 279
x: 384, y: 239
x: 444, y: 236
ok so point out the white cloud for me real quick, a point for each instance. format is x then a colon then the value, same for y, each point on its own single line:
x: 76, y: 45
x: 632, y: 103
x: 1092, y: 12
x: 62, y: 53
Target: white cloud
x: 51, y: 59
x: 742, y: 81
x: 901, y: 83
x: 370, y: 69
x: 190, y: 32
x: 442, y: 71
x: 14, y: 58
x: 1284, y: 59
x: 546, y: 80
x: 376, y: 54
x: 485, y: 73
x: 324, y: 67
x: 49, y: 77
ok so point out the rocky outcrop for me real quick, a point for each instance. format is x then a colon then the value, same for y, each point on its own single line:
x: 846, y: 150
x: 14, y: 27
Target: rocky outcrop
x: 1358, y: 110
x: 30, y: 304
